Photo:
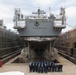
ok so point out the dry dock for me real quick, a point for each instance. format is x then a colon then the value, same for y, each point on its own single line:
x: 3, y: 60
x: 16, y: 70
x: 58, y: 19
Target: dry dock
x: 68, y: 68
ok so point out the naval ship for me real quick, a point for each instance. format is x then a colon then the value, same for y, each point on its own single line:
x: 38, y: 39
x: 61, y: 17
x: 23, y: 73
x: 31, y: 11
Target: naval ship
x: 39, y: 32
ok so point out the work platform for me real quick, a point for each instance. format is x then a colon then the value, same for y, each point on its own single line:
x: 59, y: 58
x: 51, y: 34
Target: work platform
x: 68, y: 68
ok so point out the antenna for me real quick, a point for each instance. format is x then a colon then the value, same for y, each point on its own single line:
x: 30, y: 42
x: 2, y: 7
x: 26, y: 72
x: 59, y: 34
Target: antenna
x: 37, y: 4
x: 49, y: 10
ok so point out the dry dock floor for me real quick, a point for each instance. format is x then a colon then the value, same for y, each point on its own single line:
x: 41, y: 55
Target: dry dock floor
x: 68, y: 68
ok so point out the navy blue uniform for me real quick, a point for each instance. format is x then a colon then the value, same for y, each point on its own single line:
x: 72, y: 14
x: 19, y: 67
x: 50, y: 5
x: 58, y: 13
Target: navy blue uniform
x: 53, y: 66
x: 45, y: 68
x: 60, y: 68
x: 30, y: 66
x: 39, y: 67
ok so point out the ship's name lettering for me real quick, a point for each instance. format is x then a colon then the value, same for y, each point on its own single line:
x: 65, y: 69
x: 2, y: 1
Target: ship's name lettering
x: 39, y: 28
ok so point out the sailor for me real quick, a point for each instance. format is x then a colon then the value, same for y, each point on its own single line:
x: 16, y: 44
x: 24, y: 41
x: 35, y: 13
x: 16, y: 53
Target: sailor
x: 39, y: 67
x: 56, y: 68
x: 42, y: 67
x: 53, y: 66
x: 36, y: 66
x: 30, y: 66
x: 60, y: 68
x: 45, y: 68
x: 33, y: 66
x: 50, y: 66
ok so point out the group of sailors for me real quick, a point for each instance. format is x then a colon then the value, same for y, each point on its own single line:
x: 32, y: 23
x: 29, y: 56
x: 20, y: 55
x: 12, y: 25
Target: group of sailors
x: 45, y: 67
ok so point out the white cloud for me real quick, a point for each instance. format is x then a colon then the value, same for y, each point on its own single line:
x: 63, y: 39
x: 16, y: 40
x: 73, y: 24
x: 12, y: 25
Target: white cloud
x: 71, y: 11
x: 3, y: 11
x: 69, y: 3
x: 6, y: 14
x: 71, y: 16
x: 44, y: 3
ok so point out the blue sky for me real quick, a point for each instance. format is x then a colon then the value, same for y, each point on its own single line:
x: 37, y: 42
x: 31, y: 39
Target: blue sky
x: 27, y: 6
